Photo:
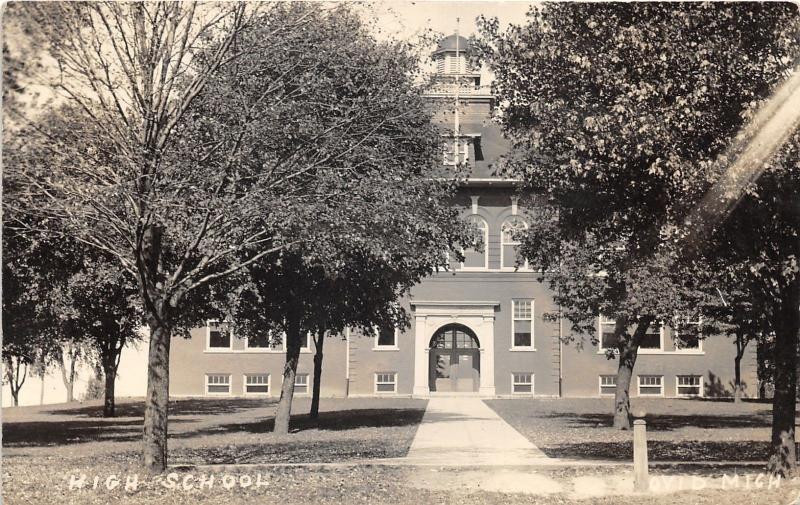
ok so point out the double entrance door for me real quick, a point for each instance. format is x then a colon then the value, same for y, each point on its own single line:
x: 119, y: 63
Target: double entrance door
x: 454, y: 360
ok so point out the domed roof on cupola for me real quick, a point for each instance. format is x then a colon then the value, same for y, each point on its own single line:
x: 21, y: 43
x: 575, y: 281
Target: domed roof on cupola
x: 448, y: 44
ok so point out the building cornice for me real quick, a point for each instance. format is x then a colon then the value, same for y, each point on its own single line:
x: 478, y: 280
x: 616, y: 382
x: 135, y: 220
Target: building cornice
x: 459, y: 303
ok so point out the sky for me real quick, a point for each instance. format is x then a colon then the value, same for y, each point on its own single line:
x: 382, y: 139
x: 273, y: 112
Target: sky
x: 406, y: 18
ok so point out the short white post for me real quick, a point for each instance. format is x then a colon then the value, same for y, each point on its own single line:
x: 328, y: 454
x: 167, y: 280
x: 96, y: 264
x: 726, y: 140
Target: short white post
x: 640, y: 477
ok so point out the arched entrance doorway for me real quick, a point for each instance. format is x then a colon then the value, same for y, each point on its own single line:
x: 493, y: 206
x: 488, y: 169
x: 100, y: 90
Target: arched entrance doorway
x: 455, y: 359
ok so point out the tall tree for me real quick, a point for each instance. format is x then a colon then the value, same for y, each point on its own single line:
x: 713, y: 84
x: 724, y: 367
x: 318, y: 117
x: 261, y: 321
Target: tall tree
x: 625, y: 113
x: 100, y: 308
x: 197, y: 139
x: 69, y: 358
x: 744, y: 312
x: 762, y: 232
x: 378, y: 195
x: 30, y: 329
x: 130, y: 71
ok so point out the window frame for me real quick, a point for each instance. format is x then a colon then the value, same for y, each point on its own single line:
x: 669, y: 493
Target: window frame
x: 514, y: 384
x: 207, y: 384
x: 485, y: 252
x: 309, y: 347
x: 306, y: 350
x: 268, y: 384
x: 639, y: 385
x: 522, y: 268
x: 208, y: 348
x: 700, y: 386
x: 514, y: 319
x: 463, y: 151
x: 270, y: 349
x: 378, y: 347
x: 376, y: 383
x: 676, y: 336
x: 307, y: 384
x: 601, y: 320
x: 600, y: 384
x: 661, y: 348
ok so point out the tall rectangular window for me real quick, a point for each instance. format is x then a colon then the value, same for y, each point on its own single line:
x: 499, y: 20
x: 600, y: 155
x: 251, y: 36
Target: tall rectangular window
x: 256, y: 383
x: 606, y: 330
x: 219, y: 335
x: 652, y: 339
x: 218, y: 384
x: 386, y: 382
x: 265, y: 340
x: 455, y: 151
x: 509, y: 243
x: 651, y: 385
x: 386, y: 337
x: 278, y: 342
x: 686, y: 335
x: 522, y: 323
x: 608, y: 384
x: 522, y: 382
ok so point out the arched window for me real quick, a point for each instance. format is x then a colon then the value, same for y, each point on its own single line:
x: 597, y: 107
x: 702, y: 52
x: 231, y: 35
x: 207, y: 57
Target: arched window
x: 509, y: 242
x: 454, y: 336
x: 476, y: 258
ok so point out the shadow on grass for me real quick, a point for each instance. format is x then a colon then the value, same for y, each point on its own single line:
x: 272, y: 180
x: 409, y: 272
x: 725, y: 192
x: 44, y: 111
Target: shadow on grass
x: 338, y: 420
x: 33, y: 434
x: 188, y: 407
x: 300, y: 451
x: 689, y: 451
x: 661, y: 422
x: 125, y: 429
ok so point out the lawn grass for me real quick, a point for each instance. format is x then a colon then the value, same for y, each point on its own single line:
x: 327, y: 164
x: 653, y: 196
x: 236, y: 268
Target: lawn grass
x: 44, y: 446
x: 221, y: 431
x: 677, y: 429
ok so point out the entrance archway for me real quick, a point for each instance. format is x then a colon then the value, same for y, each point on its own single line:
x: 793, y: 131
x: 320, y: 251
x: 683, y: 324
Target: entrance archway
x: 454, y: 360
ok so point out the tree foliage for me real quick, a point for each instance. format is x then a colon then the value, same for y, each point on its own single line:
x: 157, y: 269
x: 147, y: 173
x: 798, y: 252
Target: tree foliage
x: 197, y: 139
x: 621, y: 115
x: 375, y: 213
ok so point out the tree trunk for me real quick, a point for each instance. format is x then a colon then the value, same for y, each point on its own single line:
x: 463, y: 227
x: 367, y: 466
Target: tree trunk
x: 737, y: 387
x: 69, y: 377
x: 289, y: 372
x: 110, y: 354
x: 16, y: 377
x: 41, y: 392
x: 628, y: 352
x: 156, y: 407
x: 783, y: 456
x: 318, y: 343
x: 109, y: 404
x: 741, y: 345
x: 70, y: 393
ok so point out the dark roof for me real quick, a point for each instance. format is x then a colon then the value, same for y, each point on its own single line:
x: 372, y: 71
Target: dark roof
x: 448, y: 44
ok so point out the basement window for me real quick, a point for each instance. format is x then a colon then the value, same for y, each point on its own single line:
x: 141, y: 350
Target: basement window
x: 256, y: 384
x: 608, y: 385
x: 386, y: 382
x: 651, y: 385
x: 689, y: 385
x: 218, y: 384
x: 301, y: 384
x: 522, y: 383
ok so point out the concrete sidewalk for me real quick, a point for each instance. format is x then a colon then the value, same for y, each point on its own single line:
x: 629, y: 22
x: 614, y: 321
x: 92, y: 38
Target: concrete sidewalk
x: 464, y: 431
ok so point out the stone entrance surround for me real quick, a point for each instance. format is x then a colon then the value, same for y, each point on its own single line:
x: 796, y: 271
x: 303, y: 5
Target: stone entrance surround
x: 429, y: 316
